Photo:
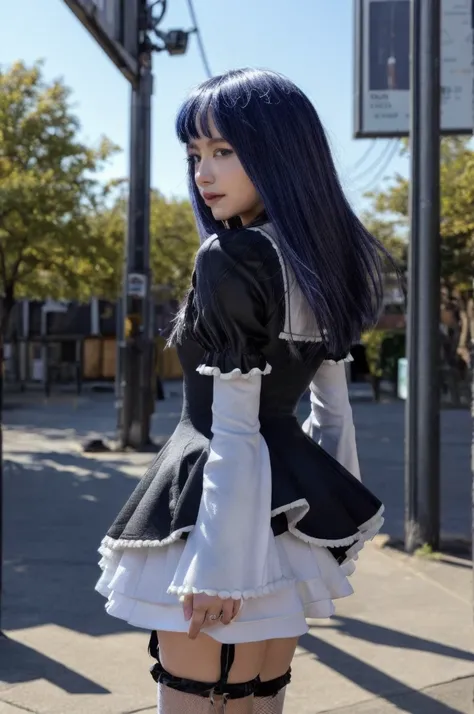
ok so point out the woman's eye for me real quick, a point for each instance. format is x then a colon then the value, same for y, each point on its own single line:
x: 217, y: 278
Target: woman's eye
x: 193, y: 159
x: 224, y: 152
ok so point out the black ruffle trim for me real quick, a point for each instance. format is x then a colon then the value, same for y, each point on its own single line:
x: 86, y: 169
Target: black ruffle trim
x: 230, y: 362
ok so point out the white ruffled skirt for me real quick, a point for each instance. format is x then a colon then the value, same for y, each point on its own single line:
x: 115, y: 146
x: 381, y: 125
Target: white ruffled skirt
x: 135, y: 582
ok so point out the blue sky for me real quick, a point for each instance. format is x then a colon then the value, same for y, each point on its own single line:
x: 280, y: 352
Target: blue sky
x: 311, y: 41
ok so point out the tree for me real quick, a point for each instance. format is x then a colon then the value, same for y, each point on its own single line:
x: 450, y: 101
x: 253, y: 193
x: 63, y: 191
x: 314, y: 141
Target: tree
x: 173, y: 244
x: 387, y: 232
x: 456, y: 245
x: 457, y: 210
x: 48, y: 186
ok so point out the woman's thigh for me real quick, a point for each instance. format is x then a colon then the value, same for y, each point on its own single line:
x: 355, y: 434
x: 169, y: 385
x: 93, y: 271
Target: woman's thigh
x: 278, y: 656
x: 200, y: 659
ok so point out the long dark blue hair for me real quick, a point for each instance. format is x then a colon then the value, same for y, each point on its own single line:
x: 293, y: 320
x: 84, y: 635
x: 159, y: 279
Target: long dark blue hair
x: 280, y: 141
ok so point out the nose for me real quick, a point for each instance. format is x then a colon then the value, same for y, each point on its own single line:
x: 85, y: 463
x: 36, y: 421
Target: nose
x: 204, y: 175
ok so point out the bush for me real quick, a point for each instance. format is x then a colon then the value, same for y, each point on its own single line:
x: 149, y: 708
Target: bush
x: 383, y: 350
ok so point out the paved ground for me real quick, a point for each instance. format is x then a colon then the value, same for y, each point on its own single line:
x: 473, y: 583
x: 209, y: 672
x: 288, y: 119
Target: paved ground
x: 401, y: 643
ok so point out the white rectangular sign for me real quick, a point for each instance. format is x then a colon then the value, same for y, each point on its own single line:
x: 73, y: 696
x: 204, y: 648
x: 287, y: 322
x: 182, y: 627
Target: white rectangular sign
x: 383, y: 67
x: 114, y: 24
x: 136, y: 285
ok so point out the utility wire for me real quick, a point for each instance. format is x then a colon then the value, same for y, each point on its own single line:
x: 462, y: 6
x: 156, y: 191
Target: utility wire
x: 374, y: 166
x: 202, y: 50
x: 364, y: 156
x: 380, y: 174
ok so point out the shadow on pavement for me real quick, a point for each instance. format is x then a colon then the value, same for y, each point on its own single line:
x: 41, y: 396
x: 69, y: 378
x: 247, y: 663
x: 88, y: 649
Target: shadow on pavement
x: 379, y: 635
x: 58, y: 507
x: 372, y: 679
x: 24, y: 664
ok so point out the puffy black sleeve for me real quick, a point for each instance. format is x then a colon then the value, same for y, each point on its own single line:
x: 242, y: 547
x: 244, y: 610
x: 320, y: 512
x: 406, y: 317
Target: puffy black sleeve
x: 232, y: 303
x: 233, y: 295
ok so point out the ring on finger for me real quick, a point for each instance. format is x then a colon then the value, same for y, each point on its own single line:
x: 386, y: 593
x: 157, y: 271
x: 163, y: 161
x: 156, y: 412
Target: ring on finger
x: 215, y: 617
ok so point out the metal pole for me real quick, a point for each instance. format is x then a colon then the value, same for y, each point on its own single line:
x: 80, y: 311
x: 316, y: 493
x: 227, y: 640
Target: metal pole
x: 411, y: 408
x: 136, y: 403
x: 428, y: 363
x: 2, y: 327
x: 472, y: 426
x: 119, y: 345
x: 79, y: 365
x: 471, y: 334
x: 45, y: 351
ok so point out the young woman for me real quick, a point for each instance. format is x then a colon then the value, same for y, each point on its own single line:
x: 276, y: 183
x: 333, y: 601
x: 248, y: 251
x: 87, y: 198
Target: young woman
x: 246, y: 523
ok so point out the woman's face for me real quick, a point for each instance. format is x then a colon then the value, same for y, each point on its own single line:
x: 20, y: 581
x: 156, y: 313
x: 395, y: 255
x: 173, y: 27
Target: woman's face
x: 221, y: 179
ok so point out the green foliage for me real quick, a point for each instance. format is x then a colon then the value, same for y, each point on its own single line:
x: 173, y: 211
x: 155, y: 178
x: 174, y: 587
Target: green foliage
x: 386, y: 231
x: 173, y: 244
x: 62, y: 230
x: 372, y: 341
x: 48, y: 183
x: 457, y: 210
x: 426, y: 551
x: 383, y: 349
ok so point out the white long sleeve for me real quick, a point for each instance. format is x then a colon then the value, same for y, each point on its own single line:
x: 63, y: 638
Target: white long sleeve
x: 231, y: 551
x: 330, y: 422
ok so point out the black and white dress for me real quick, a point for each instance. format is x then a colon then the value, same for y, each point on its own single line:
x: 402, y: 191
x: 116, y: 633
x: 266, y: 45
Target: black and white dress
x: 242, y: 501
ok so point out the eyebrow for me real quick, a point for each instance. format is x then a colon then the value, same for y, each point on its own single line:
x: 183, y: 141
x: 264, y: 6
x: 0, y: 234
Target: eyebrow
x: 213, y: 140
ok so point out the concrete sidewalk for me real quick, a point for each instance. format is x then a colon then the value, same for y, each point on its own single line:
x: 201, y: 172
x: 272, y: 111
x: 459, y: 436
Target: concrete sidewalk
x: 402, y: 642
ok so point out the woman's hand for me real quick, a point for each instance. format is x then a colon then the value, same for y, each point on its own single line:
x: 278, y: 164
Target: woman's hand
x: 205, y: 610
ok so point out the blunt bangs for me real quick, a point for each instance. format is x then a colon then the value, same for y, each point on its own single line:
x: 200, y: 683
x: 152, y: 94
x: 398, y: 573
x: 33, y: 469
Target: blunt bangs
x: 193, y: 117
x: 235, y: 104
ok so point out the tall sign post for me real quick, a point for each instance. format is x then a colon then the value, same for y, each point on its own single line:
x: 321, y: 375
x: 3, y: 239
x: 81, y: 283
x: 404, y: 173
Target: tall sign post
x: 414, y: 77
x: 136, y: 386
x: 136, y: 400
x: 114, y: 24
x: 471, y: 335
x: 427, y: 145
x: 422, y: 469
x: 471, y: 331
x: 2, y: 359
x: 412, y: 535
x: 123, y: 28
x: 382, y: 93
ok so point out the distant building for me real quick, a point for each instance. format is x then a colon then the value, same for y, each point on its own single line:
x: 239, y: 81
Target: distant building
x: 67, y: 342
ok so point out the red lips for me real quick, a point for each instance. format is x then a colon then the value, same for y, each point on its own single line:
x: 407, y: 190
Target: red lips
x: 211, y: 196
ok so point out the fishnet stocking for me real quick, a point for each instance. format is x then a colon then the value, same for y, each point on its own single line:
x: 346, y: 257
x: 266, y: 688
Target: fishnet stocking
x: 270, y: 705
x: 172, y: 701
